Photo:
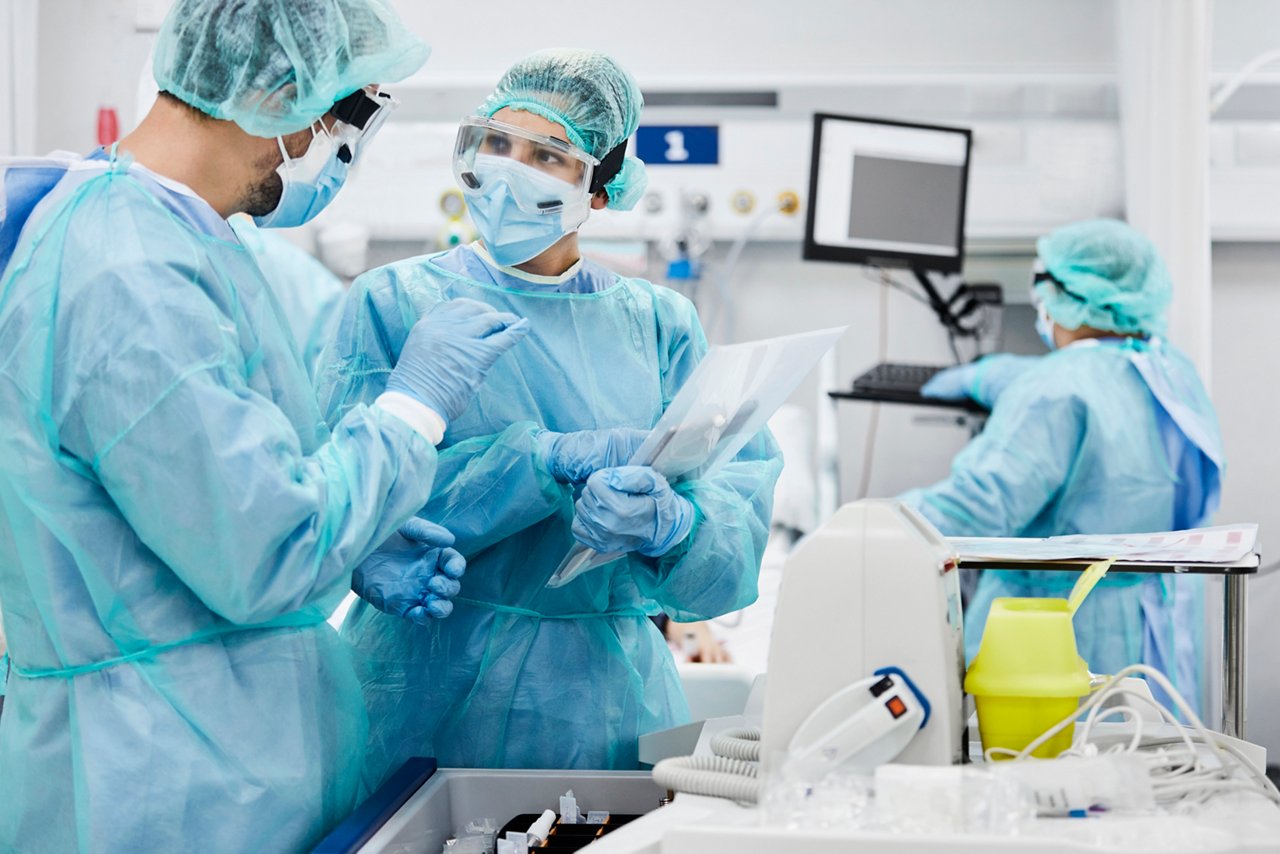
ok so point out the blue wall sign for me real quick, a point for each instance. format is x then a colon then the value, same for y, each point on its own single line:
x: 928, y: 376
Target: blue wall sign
x: 678, y: 145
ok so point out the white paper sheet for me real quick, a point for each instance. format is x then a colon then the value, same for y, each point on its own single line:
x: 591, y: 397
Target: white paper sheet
x: 1222, y: 544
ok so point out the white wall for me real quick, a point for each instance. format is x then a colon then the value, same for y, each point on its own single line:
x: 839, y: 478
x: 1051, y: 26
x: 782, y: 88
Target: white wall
x: 665, y: 39
x: 17, y: 76
x: 90, y: 56
x: 1246, y: 358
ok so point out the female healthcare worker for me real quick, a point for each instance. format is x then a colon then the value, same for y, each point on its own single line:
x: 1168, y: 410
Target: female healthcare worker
x: 522, y: 675
x: 1111, y: 432
x: 178, y: 521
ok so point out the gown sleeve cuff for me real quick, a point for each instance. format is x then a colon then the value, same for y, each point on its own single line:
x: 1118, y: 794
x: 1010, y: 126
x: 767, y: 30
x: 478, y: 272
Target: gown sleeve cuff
x: 422, y: 418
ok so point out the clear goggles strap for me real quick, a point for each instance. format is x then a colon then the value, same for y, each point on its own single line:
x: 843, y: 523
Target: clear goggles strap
x: 360, y: 115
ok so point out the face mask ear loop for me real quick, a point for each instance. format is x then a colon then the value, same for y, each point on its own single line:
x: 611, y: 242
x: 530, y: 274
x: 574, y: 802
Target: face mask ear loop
x: 286, y: 162
x: 284, y: 152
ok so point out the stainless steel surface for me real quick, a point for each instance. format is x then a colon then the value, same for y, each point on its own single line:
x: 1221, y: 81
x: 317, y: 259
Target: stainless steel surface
x: 1235, y: 606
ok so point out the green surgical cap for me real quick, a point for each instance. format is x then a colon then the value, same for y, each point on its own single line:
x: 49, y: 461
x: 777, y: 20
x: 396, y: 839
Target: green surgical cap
x: 275, y: 66
x: 595, y: 98
x: 1111, y: 278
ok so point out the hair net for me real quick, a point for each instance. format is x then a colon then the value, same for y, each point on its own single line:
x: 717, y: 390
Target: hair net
x: 275, y: 66
x: 595, y: 99
x: 1111, y: 278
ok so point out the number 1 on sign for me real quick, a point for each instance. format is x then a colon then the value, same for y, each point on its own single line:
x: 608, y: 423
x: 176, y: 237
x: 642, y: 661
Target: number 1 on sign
x: 676, y: 151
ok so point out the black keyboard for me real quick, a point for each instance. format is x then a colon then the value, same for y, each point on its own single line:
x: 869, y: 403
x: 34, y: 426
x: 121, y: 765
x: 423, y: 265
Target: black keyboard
x: 895, y: 378
x: 894, y: 383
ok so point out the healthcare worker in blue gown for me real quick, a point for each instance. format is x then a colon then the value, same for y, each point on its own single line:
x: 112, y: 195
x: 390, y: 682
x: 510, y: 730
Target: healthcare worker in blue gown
x: 1111, y: 432
x: 179, y: 521
x: 521, y: 675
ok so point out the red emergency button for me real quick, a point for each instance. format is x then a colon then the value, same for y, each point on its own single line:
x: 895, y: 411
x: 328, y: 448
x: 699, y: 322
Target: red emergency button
x: 896, y: 707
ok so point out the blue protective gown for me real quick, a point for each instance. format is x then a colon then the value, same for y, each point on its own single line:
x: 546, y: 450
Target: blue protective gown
x: 1102, y: 437
x: 309, y: 294
x: 178, y: 524
x: 523, y: 676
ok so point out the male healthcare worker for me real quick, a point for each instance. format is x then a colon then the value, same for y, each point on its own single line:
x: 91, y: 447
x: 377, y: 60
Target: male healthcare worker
x: 522, y: 675
x: 1111, y: 432
x: 179, y: 519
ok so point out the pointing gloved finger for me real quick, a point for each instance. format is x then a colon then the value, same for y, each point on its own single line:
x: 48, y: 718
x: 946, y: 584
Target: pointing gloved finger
x: 512, y: 331
x: 485, y: 325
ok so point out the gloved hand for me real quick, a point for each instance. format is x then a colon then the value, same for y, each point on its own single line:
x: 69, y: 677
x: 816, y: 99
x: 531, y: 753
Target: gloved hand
x: 573, y: 457
x: 984, y: 380
x: 449, y: 351
x: 414, y: 574
x: 631, y: 508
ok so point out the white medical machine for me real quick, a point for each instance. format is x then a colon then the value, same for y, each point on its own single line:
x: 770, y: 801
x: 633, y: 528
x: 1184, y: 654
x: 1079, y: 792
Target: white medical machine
x: 877, y: 589
x: 866, y: 665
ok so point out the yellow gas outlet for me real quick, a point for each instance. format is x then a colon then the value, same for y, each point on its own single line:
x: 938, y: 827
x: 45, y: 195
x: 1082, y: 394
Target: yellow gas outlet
x: 452, y: 205
x: 789, y: 202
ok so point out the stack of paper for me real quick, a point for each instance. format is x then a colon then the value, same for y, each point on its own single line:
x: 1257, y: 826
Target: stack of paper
x: 1223, y: 544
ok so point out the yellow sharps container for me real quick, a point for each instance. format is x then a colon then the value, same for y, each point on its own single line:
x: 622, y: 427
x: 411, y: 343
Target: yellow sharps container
x: 1027, y: 675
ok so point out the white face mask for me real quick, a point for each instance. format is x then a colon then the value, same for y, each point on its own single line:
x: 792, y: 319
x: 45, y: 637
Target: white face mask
x: 1044, y: 326
x: 310, y: 182
x: 505, y: 209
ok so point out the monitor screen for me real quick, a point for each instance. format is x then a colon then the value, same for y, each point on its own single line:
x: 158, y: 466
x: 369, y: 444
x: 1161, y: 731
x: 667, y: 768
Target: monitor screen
x: 887, y: 193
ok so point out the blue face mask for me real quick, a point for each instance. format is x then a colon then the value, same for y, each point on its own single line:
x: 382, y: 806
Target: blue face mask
x: 505, y: 209
x: 1044, y: 326
x: 310, y: 183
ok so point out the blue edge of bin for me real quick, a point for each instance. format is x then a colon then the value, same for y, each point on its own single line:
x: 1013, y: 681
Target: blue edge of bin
x: 370, y: 816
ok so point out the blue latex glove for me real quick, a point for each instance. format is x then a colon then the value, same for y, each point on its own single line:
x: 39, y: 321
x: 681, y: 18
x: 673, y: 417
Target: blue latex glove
x: 449, y: 351
x: 631, y: 508
x: 574, y: 457
x: 413, y: 575
x: 983, y: 380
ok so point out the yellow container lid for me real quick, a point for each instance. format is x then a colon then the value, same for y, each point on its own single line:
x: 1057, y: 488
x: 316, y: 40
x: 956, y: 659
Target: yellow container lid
x: 1028, y: 649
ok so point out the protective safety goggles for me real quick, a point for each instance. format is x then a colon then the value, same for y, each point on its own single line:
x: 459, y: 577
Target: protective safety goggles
x: 1040, y: 274
x: 572, y: 167
x: 359, y: 117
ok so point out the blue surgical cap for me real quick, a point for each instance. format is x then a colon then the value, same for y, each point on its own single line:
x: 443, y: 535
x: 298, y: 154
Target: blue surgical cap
x: 275, y: 66
x: 593, y: 97
x: 1109, y: 276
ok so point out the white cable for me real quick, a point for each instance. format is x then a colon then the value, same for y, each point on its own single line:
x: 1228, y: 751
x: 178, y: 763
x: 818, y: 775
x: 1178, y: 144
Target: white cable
x: 1252, y: 67
x: 738, y: 744
x: 1179, y: 774
x: 714, y: 776
x: 882, y: 353
x: 895, y: 284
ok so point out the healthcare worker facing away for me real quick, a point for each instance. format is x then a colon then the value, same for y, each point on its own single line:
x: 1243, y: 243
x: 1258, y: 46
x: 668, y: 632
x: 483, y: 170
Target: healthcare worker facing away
x: 522, y: 675
x: 179, y: 519
x: 1111, y: 432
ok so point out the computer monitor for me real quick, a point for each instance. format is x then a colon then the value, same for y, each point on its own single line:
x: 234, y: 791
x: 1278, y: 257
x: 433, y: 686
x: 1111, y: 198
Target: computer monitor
x: 887, y: 194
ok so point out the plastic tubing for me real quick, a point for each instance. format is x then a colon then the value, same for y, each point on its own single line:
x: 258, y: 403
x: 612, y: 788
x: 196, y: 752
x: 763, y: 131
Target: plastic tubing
x: 716, y: 776
x: 738, y: 744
